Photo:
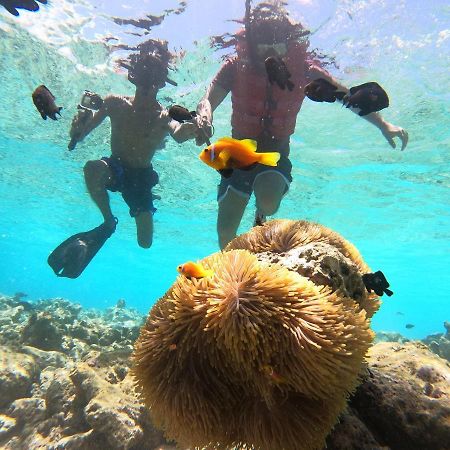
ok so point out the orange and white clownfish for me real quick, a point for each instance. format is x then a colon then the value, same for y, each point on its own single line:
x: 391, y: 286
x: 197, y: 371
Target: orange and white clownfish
x: 194, y: 270
x: 228, y: 154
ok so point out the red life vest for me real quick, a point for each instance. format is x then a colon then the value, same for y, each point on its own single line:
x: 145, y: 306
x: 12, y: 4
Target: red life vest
x: 253, y: 113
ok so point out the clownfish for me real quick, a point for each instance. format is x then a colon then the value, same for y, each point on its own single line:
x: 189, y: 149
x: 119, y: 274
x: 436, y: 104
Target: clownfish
x: 194, y: 270
x: 228, y: 154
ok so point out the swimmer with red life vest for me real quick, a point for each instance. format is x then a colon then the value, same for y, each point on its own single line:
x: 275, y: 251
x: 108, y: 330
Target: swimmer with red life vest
x: 267, y: 79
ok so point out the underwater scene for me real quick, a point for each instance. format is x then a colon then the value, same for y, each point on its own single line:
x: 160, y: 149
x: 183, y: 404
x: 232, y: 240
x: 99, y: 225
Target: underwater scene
x: 225, y: 225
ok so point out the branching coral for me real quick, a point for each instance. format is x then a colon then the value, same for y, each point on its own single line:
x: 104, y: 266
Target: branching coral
x: 256, y: 356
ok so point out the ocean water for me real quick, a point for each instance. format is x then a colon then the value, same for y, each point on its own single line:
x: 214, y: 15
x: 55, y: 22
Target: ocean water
x: 394, y: 206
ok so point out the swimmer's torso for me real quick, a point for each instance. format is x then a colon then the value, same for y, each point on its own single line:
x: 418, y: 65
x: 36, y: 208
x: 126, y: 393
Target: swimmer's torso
x: 136, y: 131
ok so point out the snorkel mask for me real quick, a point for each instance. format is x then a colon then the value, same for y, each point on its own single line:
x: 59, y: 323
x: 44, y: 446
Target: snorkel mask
x: 269, y: 30
x: 148, y: 72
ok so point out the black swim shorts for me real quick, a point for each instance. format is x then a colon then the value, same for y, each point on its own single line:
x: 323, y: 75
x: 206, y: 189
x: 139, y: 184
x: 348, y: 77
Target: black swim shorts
x: 242, y: 181
x: 135, y: 184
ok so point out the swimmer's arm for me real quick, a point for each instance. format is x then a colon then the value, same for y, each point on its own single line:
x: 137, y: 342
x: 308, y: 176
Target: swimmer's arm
x: 85, y: 121
x: 216, y: 93
x: 315, y: 72
x: 202, y: 124
x: 388, y: 130
x: 214, y: 96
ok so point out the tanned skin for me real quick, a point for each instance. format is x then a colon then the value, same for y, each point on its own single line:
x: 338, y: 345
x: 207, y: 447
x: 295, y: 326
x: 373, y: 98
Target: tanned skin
x: 138, y: 126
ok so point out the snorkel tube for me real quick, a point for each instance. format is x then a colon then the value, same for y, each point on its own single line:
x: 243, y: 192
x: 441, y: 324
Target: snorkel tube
x: 248, y: 33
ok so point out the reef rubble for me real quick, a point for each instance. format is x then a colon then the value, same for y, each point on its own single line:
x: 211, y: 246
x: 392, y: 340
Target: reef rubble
x: 439, y: 343
x: 65, y: 384
x: 63, y: 378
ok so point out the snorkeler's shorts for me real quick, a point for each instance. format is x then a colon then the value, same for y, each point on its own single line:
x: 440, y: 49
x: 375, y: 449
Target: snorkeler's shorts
x: 135, y: 184
x: 242, y: 181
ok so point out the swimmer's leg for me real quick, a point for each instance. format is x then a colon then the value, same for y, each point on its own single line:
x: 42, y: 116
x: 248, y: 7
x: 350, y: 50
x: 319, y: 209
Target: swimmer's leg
x: 98, y: 176
x: 231, y: 209
x: 269, y: 188
x: 144, y: 229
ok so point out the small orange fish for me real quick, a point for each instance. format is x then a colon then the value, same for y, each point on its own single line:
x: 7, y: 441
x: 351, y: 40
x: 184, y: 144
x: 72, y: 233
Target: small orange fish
x: 192, y: 269
x: 228, y: 154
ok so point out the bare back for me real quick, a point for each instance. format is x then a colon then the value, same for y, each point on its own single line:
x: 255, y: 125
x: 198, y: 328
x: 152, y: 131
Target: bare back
x: 137, y: 130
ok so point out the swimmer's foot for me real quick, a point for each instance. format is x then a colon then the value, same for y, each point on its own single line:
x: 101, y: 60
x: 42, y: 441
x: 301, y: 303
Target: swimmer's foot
x: 260, y: 219
x: 111, y: 223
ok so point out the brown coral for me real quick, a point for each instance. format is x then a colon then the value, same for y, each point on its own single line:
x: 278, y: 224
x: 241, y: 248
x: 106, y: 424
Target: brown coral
x: 314, y: 251
x: 256, y: 356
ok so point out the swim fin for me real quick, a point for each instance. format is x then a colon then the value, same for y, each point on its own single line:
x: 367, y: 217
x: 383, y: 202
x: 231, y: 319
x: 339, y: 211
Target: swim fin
x: 12, y: 5
x: 72, y: 256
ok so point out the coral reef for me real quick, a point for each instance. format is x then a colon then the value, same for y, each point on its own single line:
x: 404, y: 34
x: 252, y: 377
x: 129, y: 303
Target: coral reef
x: 63, y: 378
x: 62, y: 400
x: 279, y: 333
x: 62, y: 326
x: 390, y: 336
x: 439, y: 343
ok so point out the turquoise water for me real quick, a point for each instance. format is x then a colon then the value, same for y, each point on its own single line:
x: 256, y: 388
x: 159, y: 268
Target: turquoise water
x: 394, y: 206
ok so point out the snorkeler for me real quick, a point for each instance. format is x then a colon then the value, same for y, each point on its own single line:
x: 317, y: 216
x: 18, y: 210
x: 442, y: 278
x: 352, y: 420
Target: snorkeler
x: 139, y: 125
x: 264, y: 111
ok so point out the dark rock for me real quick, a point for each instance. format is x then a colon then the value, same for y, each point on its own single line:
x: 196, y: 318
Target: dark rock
x: 351, y: 434
x: 41, y: 332
x: 398, y: 416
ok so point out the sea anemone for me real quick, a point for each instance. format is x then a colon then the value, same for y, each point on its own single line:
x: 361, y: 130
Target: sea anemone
x: 256, y: 356
x: 314, y: 251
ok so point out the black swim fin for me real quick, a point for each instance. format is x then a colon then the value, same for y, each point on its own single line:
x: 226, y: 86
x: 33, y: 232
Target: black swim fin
x: 72, y: 256
x: 12, y: 5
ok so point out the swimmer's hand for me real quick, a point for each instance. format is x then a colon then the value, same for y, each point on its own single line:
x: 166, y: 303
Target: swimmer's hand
x: 391, y: 131
x: 204, y: 119
x: 190, y: 130
x: 204, y: 130
x: 184, y: 131
x: 78, y: 127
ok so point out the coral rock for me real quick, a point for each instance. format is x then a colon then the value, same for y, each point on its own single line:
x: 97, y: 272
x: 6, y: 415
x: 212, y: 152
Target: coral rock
x: 41, y: 332
x: 392, y: 401
x: 7, y: 425
x: 17, y: 373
